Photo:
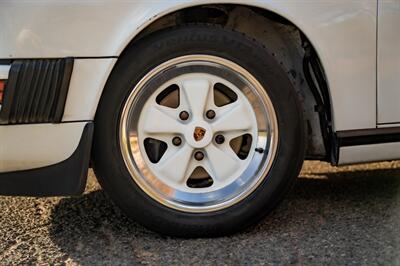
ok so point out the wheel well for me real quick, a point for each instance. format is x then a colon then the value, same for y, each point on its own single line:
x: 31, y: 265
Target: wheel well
x: 287, y: 44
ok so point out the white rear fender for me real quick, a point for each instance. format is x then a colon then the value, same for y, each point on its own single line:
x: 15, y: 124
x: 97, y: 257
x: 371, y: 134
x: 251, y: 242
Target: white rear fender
x: 342, y: 32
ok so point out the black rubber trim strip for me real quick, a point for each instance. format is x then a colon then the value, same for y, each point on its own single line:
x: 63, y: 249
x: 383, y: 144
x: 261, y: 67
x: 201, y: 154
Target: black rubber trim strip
x: 63, y: 122
x: 8, y: 61
x: 66, y: 178
x: 362, y: 137
x: 368, y: 136
x: 96, y: 57
x: 36, y: 91
x: 64, y: 86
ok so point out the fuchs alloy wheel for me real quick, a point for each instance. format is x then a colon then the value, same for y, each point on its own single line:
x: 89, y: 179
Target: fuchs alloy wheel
x: 221, y: 100
x: 198, y: 132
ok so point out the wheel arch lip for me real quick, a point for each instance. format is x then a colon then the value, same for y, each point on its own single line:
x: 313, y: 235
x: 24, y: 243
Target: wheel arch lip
x: 176, y: 6
x: 322, y: 24
x: 268, y: 6
x: 276, y: 8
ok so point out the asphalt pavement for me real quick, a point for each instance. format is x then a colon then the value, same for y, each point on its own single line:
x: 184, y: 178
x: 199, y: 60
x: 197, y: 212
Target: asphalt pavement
x: 335, y: 216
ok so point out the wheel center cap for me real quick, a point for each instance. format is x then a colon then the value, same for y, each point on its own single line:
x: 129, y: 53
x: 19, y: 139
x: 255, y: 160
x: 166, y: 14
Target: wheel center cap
x: 199, y: 133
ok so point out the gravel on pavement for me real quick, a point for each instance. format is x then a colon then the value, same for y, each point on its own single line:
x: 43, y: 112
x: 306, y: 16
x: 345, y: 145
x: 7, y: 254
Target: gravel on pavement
x: 346, y: 215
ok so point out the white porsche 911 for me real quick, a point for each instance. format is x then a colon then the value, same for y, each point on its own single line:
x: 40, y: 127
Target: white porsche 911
x: 196, y: 116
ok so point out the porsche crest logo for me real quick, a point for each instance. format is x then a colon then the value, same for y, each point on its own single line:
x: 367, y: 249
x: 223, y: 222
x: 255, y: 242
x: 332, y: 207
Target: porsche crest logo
x: 199, y: 133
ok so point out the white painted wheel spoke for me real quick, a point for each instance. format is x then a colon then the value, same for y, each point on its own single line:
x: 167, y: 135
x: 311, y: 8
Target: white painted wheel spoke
x: 222, y: 163
x: 159, y: 120
x: 233, y: 117
x: 174, y: 164
x: 195, y: 94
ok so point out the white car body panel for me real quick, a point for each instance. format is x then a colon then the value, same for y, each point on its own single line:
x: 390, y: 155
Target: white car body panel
x: 87, y: 77
x: 389, y: 62
x: 38, y: 145
x: 369, y: 153
x: 342, y: 32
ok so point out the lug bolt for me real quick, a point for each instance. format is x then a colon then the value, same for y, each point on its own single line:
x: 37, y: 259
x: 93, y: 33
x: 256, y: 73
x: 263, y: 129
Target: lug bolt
x: 184, y: 115
x: 259, y: 150
x: 219, y: 139
x: 176, y: 141
x: 210, y: 114
x: 199, y: 155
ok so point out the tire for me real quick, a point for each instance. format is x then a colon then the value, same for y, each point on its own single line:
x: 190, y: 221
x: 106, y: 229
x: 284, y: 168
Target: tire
x: 118, y: 173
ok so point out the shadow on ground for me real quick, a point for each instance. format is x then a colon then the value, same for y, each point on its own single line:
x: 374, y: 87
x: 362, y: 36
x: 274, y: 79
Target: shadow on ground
x: 332, y: 218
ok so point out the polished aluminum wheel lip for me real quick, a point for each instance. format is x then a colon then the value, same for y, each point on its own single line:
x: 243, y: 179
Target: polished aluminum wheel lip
x: 252, y: 177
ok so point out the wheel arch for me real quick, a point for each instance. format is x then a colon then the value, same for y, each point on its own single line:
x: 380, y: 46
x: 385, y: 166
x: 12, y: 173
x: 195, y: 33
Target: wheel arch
x: 291, y: 54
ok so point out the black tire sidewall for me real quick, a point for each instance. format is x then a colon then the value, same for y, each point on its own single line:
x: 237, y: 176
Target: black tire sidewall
x: 157, y: 48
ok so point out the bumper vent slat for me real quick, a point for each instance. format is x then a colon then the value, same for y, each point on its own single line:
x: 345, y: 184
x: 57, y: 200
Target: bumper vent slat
x: 36, y: 91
